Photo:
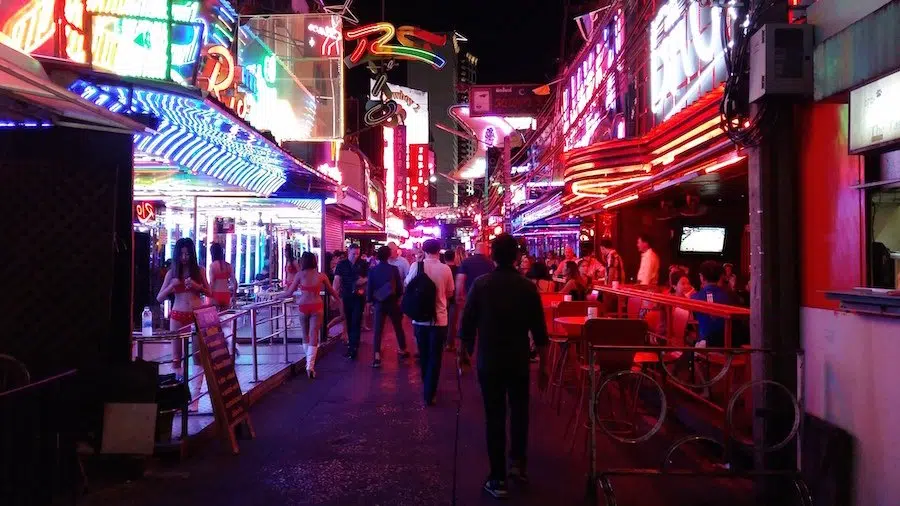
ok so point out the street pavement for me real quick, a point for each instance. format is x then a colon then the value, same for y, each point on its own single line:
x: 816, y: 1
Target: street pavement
x: 361, y: 436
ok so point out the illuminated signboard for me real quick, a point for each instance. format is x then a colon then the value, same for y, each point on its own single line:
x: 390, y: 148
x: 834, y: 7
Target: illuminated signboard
x: 412, y: 107
x: 687, y: 54
x: 372, y: 43
x: 130, y: 38
x: 218, y: 78
x: 414, y: 104
x: 419, y: 174
x: 145, y: 213
x: 592, y: 88
x: 873, y: 114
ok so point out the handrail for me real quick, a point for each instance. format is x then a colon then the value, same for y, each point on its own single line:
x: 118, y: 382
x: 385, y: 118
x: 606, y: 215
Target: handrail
x: 697, y: 306
x: 39, y: 384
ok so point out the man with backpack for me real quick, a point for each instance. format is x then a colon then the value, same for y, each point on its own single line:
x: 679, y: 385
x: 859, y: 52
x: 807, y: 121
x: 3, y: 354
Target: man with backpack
x: 428, y: 286
x: 384, y: 290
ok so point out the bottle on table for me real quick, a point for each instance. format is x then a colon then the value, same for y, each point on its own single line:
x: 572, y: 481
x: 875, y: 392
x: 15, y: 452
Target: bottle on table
x: 147, y: 322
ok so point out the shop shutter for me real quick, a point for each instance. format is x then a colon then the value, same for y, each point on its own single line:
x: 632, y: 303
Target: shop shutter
x: 334, y: 231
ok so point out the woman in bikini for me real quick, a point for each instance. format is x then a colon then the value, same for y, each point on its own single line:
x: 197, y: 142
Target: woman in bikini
x: 290, y: 265
x: 187, y: 281
x: 221, y: 278
x: 310, y: 282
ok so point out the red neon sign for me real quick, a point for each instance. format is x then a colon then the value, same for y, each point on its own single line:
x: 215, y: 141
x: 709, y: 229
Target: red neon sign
x: 145, y: 212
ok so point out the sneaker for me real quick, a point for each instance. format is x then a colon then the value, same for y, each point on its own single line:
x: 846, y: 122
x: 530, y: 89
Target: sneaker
x: 376, y: 363
x: 518, y: 475
x: 497, y: 488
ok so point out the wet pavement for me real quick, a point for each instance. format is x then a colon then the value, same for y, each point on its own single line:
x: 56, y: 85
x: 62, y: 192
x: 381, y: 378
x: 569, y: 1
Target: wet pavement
x: 361, y: 436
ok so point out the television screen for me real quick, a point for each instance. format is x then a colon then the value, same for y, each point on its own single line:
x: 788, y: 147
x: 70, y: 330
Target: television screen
x: 702, y: 240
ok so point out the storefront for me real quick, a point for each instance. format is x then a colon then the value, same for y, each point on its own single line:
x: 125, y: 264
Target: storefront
x: 848, y: 145
x: 241, y: 142
x: 66, y: 190
x: 543, y: 234
x: 679, y: 179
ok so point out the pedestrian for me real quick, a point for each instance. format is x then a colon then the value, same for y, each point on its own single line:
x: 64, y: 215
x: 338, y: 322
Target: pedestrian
x: 472, y: 268
x: 309, y: 283
x: 648, y: 273
x: 452, y: 309
x: 503, y: 307
x: 348, y: 275
x: 384, y: 291
x: 429, y: 285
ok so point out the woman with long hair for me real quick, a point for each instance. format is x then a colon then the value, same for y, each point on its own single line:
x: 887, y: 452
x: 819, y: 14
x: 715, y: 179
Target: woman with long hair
x: 187, y: 281
x: 221, y: 278
x: 290, y: 265
x: 576, y: 285
x: 310, y: 282
x: 539, y: 274
x: 525, y: 264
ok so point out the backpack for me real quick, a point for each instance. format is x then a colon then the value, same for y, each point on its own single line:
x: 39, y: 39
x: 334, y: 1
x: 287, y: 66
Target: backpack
x: 420, y: 297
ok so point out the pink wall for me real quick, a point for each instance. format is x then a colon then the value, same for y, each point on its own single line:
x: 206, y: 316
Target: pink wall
x: 832, y: 214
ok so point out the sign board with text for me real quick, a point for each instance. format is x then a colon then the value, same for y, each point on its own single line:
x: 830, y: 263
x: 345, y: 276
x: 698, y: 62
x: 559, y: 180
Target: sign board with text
x: 229, y: 406
x: 505, y: 100
x: 874, y: 121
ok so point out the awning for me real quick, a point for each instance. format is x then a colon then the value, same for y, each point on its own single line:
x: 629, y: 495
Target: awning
x: 28, y: 98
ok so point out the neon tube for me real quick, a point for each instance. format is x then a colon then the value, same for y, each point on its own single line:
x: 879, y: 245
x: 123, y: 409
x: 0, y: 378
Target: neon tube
x: 621, y: 201
x: 731, y: 161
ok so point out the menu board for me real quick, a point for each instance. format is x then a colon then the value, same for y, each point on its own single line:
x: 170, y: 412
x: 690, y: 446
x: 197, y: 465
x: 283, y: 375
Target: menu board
x: 229, y: 405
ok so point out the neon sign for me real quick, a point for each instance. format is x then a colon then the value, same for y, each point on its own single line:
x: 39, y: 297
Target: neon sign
x: 219, y: 79
x: 687, y: 54
x: 145, y: 212
x: 331, y: 34
x: 415, y: 44
x: 384, y: 111
x: 135, y: 38
x: 591, y: 91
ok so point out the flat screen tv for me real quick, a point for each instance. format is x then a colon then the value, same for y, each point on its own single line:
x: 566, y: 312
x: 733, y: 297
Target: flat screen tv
x: 702, y: 240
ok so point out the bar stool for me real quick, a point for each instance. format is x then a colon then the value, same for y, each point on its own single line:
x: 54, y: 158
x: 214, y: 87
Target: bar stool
x: 606, y: 332
x: 562, y: 340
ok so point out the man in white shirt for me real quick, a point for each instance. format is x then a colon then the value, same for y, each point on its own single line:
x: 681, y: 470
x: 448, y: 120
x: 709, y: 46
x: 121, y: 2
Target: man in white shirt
x: 648, y: 273
x: 431, y: 335
x: 397, y: 259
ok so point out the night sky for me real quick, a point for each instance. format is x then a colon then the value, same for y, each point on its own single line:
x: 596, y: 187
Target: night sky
x: 516, y: 41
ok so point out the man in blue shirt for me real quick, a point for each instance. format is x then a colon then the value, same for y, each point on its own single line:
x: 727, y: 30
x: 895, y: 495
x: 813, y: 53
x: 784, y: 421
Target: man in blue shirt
x: 711, y: 328
x: 346, y: 281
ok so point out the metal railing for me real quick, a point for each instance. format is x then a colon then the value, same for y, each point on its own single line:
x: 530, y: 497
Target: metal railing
x: 661, y: 387
x: 265, y: 323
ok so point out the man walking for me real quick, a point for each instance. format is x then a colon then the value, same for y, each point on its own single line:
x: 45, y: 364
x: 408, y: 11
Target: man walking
x: 503, y: 307
x: 430, y: 334
x: 347, y: 276
x: 397, y: 259
x: 384, y: 290
x: 472, y: 268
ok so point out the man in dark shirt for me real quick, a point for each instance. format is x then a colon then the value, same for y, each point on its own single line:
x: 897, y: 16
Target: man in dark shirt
x: 503, y: 307
x: 469, y: 270
x: 346, y: 277
x: 384, y: 290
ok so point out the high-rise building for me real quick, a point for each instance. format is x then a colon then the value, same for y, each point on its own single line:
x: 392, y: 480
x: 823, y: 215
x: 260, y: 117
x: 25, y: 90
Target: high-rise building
x: 467, y: 74
x: 446, y: 87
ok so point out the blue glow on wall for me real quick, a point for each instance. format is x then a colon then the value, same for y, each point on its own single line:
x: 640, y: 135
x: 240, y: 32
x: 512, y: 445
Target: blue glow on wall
x: 196, y: 135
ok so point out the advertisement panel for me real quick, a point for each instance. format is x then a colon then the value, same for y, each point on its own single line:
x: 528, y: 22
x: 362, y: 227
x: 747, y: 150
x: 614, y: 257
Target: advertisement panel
x: 505, y: 100
x: 419, y: 174
x: 414, y: 106
x: 873, y: 114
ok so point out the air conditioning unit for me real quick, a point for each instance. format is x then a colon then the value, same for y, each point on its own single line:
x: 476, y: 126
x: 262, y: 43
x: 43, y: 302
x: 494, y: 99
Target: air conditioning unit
x: 781, y: 61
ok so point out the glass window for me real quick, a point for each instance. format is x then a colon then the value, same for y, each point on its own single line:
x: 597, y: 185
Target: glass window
x: 883, y: 217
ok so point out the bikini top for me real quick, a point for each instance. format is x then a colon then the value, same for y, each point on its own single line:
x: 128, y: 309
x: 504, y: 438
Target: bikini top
x: 311, y: 289
x: 222, y: 273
